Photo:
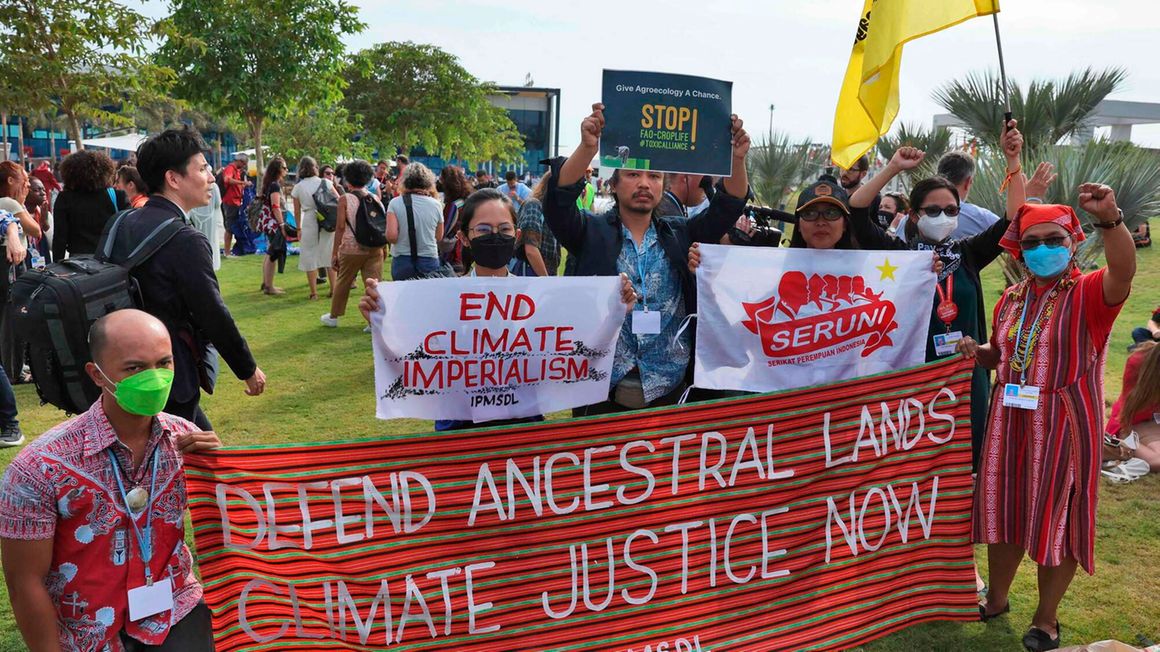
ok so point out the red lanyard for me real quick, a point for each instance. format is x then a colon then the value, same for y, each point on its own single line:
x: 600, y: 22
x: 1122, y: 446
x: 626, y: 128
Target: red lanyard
x: 946, y: 310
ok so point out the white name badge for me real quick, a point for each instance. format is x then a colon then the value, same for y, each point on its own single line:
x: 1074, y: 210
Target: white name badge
x: 151, y: 599
x: 1024, y: 397
x: 646, y: 322
x: 945, y: 343
x: 1156, y: 417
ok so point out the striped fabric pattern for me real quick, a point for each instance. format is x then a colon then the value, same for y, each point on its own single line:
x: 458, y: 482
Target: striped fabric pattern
x: 332, y: 596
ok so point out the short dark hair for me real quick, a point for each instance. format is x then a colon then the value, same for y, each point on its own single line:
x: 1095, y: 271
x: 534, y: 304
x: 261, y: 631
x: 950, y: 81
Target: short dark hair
x: 510, y: 175
x: 358, y: 173
x: 480, y: 197
x: 87, y: 171
x: 862, y: 164
x: 957, y: 167
x: 169, y: 150
x: 402, y: 159
x: 918, y: 195
x: 129, y: 174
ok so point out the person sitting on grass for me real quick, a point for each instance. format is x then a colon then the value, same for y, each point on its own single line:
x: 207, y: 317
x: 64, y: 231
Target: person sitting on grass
x: 1138, y: 407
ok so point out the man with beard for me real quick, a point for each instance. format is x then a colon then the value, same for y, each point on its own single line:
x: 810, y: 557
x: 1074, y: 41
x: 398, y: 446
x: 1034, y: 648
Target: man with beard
x: 852, y: 179
x: 653, y: 353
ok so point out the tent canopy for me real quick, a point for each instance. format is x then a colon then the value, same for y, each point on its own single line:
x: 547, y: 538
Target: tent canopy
x: 128, y: 142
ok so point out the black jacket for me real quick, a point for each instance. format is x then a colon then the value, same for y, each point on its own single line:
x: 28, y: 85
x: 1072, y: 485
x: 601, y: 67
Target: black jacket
x: 178, y: 286
x: 595, y: 241
x: 79, y: 218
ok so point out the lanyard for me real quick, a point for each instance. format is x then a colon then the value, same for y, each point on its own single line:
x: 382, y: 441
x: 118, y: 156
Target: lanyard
x: 144, y: 539
x: 1032, y: 336
x: 946, y: 309
x: 640, y: 267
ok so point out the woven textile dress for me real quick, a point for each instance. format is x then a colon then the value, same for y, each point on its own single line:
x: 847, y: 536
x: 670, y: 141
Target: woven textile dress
x: 1039, y: 471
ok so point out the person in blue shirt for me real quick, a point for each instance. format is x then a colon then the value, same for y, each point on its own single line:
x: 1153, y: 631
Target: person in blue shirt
x: 959, y: 168
x: 515, y: 190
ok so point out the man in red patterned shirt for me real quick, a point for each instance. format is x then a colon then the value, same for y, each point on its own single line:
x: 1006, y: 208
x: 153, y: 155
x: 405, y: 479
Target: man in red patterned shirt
x: 92, y: 512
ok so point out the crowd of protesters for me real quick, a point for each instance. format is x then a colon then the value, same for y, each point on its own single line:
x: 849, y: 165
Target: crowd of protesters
x: 1049, y: 331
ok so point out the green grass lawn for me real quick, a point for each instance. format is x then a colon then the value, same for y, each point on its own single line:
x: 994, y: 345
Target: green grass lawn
x: 321, y: 387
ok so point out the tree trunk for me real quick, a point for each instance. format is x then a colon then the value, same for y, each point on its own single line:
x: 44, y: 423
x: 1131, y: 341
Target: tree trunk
x: 4, y: 142
x: 74, y: 130
x: 52, y: 141
x: 256, y: 135
x: 20, y: 141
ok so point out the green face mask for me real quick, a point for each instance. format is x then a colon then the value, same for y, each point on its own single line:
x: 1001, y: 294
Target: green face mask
x: 144, y: 393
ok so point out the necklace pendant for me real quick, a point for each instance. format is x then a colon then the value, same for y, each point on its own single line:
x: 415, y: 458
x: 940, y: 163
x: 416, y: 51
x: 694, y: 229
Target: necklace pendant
x: 137, y: 499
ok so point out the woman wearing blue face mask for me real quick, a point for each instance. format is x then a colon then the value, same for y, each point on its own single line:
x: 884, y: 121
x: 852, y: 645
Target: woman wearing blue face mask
x: 958, y: 309
x: 1039, y: 474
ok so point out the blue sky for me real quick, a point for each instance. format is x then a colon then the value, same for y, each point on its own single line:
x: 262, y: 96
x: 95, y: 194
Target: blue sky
x: 790, y: 53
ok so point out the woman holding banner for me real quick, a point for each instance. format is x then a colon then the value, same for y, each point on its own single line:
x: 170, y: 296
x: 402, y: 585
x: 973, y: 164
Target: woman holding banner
x: 1039, y: 472
x: 958, y: 308
x: 488, y: 230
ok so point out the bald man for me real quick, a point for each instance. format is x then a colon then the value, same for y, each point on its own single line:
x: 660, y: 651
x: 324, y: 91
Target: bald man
x: 92, y: 512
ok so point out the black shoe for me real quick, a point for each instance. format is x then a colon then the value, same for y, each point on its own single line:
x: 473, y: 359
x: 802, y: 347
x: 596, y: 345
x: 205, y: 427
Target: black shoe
x: 1036, y: 639
x: 986, y: 617
x: 11, y: 436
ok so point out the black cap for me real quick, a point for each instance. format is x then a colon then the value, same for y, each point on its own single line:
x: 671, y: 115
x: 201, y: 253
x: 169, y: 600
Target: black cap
x: 825, y: 190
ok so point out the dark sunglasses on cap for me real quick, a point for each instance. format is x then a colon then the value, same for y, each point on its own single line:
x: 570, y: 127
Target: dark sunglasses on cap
x: 1052, y: 242
x: 933, y: 211
x: 814, y: 214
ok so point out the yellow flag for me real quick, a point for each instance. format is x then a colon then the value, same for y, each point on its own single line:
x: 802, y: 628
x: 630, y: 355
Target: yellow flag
x: 868, y: 102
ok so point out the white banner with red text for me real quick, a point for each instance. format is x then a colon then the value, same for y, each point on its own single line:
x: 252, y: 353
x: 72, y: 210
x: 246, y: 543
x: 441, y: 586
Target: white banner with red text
x: 772, y: 319
x: 485, y: 349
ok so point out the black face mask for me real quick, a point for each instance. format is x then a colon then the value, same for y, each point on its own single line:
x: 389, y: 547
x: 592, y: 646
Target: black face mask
x: 493, y: 250
x: 885, y: 217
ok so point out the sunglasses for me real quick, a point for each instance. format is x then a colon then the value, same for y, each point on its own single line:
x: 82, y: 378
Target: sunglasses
x: 815, y: 214
x: 1052, y: 242
x: 933, y: 211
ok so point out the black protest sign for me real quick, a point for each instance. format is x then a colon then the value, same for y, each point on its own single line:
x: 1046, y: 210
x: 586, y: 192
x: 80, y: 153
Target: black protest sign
x: 669, y: 123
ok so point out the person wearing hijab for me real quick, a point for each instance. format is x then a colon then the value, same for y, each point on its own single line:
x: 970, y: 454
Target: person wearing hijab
x: 1038, y: 477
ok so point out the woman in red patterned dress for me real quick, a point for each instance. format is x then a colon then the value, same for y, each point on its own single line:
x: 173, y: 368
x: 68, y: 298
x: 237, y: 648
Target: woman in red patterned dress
x: 1039, y: 472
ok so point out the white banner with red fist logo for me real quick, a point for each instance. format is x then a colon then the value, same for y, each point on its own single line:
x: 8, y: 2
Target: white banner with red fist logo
x: 773, y: 319
x: 484, y: 349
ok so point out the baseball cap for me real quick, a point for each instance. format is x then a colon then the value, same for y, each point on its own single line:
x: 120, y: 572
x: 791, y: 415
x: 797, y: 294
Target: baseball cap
x: 825, y: 190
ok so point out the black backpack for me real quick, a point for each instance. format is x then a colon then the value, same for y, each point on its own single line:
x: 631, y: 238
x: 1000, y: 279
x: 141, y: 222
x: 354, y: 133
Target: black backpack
x: 220, y: 180
x: 54, y: 308
x: 370, y: 222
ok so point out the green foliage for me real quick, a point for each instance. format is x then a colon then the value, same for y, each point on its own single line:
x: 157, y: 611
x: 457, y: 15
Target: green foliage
x: 86, y: 60
x: 326, y: 133
x: 413, y: 94
x: 935, y: 142
x: 256, y: 61
x: 1047, y: 112
x: 776, y: 166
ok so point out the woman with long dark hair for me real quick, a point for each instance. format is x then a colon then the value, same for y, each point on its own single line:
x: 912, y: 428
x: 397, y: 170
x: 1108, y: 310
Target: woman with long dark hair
x: 455, y: 188
x: 1138, y: 407
x: 275, y: 242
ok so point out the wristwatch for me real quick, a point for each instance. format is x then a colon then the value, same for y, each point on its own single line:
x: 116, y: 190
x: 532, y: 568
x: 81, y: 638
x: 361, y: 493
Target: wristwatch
x: 1110, y: 225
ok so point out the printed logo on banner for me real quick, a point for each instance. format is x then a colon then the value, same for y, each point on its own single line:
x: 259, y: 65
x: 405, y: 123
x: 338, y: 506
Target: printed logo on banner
x: 818, y: 316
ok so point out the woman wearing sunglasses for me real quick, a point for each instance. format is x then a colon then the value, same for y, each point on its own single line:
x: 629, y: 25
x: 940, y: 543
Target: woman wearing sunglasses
x: 958, y: 309
x: 1041, y: 456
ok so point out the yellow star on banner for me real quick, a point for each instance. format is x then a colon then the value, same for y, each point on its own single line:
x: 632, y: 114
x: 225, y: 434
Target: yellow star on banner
x: 887, y: 270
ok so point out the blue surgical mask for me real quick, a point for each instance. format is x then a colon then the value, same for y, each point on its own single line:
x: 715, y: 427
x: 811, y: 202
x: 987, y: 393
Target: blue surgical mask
x: 1045, y: 262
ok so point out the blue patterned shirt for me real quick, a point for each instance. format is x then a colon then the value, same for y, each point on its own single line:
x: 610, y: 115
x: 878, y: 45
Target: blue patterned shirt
x: 663, y: 358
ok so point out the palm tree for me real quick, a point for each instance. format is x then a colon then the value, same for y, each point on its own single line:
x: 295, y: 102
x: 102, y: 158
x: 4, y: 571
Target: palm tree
x: 776, y: 166
x: 935, y: 142
x: 1048, y: 111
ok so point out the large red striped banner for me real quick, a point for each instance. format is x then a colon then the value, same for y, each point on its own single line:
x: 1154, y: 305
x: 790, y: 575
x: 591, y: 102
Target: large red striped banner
x: 818, y: 518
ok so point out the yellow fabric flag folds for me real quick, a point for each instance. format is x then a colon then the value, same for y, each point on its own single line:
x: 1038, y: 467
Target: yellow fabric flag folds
x: 868, y: 102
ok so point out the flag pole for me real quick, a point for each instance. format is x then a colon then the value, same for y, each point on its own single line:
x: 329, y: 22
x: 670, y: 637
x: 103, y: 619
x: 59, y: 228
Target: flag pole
x: 1002, y: 72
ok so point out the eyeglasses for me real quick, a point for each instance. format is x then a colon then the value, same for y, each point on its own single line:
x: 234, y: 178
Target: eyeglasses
x: 827, y: 214
x: 487, y: 229
x: 933, y: 211
x: 1052, y: 242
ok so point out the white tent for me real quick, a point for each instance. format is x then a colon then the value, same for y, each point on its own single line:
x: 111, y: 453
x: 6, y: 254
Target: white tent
x: 128, y: 142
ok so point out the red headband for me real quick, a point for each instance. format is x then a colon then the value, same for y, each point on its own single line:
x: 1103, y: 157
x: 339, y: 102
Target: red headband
x: 1031, y: 214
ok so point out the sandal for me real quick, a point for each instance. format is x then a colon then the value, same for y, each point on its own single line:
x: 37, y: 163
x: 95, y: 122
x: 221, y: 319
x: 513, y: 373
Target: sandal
x: 1036, y: 639
x: 1127, y: 471
x: 986, y: 617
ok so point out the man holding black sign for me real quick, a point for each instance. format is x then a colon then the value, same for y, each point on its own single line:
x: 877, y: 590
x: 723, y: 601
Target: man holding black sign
x: 654, y: 351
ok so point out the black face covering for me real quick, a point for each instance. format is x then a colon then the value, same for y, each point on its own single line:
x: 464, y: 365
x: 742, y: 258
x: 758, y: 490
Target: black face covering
x: 493, y: 250
x: 885, y: 218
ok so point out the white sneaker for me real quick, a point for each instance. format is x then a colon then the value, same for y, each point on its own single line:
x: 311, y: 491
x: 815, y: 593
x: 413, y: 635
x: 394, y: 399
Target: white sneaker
x: 328, y: 321
x: 367, y: 329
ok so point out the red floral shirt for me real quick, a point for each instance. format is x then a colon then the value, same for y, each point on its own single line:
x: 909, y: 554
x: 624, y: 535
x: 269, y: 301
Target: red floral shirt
x: 63, y: 487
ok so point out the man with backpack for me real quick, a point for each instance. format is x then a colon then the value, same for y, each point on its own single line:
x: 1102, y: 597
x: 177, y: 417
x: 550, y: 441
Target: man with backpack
x: 359, y: 240
x: 177, y: 282
x: 233, y: 183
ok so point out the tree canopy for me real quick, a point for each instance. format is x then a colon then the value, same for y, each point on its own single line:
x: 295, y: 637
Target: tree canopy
x: 412, y: 94
x: 256, y: 61
x: 86, y: 60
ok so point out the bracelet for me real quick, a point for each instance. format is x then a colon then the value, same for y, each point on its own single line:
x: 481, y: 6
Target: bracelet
x: 1110, y: 225
x: 1034, y: 200
x: 1007, y: 180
